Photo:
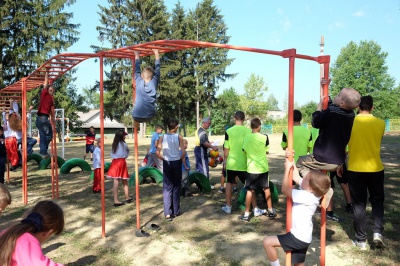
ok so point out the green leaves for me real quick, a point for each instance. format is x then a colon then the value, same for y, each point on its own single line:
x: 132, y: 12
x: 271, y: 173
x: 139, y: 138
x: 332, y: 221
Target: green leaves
x: 363, y: 67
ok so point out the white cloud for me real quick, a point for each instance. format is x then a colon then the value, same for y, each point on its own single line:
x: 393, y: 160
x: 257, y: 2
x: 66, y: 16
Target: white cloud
x: 274, y: 39
x: 286, y: 24
x: 359, y: 13
x: 336, y: 25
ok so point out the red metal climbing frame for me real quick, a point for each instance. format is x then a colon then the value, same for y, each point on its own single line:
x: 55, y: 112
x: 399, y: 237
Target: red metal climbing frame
x: 60, y: 64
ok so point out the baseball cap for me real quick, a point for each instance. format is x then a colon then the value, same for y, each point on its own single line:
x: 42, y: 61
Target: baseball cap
x: 206, y: 120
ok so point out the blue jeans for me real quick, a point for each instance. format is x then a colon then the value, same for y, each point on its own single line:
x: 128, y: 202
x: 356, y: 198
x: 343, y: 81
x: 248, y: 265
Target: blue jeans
x: 30, y: 143
x: 45, y: 133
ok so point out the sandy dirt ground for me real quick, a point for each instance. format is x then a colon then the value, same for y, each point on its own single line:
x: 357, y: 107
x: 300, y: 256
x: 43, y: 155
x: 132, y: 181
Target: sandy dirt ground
x: 202, y: 235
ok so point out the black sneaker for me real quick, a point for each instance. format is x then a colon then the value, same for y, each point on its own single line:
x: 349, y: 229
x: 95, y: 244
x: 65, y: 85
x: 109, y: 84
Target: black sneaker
x: 271, y: 215
x: 244, y: 218
x: 235, y: 190
x: 332, y: 217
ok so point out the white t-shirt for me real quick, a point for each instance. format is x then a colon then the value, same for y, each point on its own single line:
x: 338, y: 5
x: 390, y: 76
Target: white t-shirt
x: 121, y: 152
x: 97, y: 158
x: 304, y: 206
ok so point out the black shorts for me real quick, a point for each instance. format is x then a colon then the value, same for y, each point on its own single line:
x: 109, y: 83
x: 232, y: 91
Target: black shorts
x: 255, y: 181
x: 232, y: 174
x: 298, y: 248
x: 340, y: 180
x: 89, y: 148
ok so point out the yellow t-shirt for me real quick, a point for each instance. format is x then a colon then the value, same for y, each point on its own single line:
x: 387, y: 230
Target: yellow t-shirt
x: 365, y: 144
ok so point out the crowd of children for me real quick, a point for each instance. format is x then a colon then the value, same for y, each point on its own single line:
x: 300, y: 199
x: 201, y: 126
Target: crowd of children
x: 245, y: 159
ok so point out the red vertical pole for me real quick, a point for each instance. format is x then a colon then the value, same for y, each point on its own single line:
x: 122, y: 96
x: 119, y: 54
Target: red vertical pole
x: 136, y: 153
x: 323, y: 95
x: 103, y: 201
x: 24, y: 145
x: 291, y: 55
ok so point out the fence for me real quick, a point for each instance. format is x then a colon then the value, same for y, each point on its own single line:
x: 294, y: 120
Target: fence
x: 391, y: 125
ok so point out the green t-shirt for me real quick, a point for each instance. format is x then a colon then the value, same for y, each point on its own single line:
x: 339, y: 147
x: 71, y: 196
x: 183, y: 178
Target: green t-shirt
x: 314, y: 135
x: 234, y: 142
x: 301, y: 141
x: 256, y: 146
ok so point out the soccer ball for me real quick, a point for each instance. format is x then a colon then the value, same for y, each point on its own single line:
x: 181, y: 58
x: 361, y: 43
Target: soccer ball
x: 212, y: 162
x: 214, y: 154
x: 219, y: 159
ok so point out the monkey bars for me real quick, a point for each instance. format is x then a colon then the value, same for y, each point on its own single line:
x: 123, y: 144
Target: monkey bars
x: 61, y: 63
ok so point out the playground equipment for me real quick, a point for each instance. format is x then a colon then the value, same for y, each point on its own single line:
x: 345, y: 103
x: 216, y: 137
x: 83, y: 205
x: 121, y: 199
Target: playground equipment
x: 201, y: 181
x: 44, y: 163
x: 75, y: 162
x: 61, y: 63
x: 146, y: 172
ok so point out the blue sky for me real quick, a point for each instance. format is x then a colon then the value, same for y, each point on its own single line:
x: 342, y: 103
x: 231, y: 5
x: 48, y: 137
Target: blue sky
x: 275, y: 25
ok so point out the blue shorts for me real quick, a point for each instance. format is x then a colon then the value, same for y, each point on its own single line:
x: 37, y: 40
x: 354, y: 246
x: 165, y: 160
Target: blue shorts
x: 298, y: 248
x: 89, y: 148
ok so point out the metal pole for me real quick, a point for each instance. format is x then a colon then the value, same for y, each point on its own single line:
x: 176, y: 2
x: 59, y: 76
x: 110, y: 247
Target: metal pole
x: 103, y: 199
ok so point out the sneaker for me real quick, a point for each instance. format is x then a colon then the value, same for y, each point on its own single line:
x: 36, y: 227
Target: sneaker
x: 271, y: 215
x: 349, y: 208
x: 244, y: 218
x: 332, y: 217
x: 235, y: 190
x: 84, y: 157
x: 378, y: 240
x: 212, y: 187
x: 221, y: 190
x: 361, y: 245
x: 258, y: 212
x: 227, y: 209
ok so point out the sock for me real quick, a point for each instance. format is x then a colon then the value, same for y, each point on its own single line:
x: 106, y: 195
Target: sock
x: 246, y: 214
x: 330, y: 213
x: 275, y: 263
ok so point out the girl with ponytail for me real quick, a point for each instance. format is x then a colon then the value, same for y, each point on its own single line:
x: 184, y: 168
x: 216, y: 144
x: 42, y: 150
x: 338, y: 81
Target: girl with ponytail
x: 21, y: 243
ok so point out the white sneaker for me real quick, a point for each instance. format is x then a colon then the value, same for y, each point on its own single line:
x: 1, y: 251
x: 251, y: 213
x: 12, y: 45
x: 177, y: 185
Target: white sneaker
x: 212, y: 187
x: 227, y: 209
x: 258, y: 212
x: 362, y: 245
x: 378, y: 240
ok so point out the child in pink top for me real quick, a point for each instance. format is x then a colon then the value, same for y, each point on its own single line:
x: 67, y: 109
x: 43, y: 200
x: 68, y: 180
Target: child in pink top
x: 21, y: 244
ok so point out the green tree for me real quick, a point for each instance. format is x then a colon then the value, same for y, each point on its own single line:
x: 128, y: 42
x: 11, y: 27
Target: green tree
x: 225, y: 106
x: 252, y: 100
x: 307, y: 110
x: 91, y: 98
x: 205, y: 23
x: 272, y: 103
x: 363, y: 67
x: 31, y: 32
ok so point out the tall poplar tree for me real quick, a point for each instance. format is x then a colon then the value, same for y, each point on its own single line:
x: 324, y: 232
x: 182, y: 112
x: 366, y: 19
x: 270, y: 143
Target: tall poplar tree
x: 208, y: 65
